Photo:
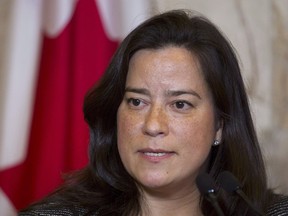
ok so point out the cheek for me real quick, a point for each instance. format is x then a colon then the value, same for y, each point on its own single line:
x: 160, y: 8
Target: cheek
x: 198, y: 133
x: 122, y: 128
x: 197, y: 148
x: 125, y: 124
x: 127, y: 127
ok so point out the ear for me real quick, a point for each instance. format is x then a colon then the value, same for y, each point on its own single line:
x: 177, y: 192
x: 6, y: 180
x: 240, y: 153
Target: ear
x: 219, y: 129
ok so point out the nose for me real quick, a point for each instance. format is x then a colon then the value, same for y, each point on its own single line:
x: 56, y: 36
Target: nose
x: 156, y: 122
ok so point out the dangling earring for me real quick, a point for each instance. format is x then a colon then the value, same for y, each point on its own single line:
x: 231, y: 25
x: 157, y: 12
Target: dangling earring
x: 216, y: 142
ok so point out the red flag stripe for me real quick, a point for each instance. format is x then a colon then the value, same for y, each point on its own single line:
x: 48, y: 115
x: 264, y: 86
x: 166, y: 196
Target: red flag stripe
x: 70, y: 64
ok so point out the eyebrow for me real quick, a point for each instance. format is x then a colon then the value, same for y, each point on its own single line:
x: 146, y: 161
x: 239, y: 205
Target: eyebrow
x: 138, y: 90
x: 181, y: 92
x: 168, y: 93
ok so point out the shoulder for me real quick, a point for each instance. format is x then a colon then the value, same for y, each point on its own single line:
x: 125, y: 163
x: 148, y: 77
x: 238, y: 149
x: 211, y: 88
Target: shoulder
x: 279, y: 207
x: 49, y: 209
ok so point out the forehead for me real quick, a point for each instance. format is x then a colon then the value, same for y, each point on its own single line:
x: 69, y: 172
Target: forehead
x: 169, y: 69
x: 178, y: 53
x: 164, y: 63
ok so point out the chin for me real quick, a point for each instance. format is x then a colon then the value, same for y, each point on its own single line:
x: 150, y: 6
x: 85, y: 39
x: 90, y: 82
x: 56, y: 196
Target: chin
x: 155, y: 184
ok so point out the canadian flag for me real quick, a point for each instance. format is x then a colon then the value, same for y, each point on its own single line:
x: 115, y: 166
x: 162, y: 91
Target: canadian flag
x: 57, y: 50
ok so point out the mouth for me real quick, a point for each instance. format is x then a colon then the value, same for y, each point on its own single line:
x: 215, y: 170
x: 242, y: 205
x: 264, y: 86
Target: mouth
x: 155, y: 155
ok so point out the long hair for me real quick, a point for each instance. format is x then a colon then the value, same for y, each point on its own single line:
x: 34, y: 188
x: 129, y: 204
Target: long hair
x: 105, y: 186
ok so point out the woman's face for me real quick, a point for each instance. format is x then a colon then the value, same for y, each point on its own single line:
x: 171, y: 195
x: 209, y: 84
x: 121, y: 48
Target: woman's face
x: 166, y: 121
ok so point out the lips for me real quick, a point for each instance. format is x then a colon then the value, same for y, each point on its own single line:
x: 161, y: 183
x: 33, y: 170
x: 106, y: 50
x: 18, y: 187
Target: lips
x: 155, y: 155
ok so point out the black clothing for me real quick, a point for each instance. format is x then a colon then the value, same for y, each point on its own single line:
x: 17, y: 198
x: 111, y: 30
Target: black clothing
x: 279, y: 208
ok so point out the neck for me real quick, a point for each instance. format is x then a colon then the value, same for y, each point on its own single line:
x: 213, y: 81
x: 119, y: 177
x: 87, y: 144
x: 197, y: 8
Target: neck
x: 182, y: 204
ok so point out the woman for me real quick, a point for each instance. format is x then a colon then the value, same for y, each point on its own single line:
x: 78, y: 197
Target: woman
x: 171, y: 105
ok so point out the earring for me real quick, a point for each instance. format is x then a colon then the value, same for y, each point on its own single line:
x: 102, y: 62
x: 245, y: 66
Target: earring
x: 216, y: 142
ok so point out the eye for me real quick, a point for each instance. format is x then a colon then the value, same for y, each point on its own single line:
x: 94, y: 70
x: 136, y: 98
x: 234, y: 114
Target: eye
x: 182, y: 105
x: 135, y: 103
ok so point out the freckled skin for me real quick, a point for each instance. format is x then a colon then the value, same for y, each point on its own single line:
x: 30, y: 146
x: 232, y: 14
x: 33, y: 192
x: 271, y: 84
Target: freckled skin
x: 183, y: 124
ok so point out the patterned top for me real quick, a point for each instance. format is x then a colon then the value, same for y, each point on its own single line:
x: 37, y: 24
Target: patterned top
x: 279, y: 208
x: 52, y: 210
